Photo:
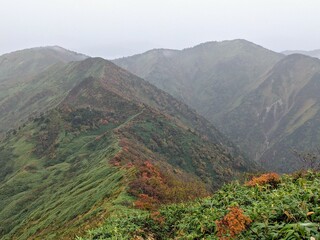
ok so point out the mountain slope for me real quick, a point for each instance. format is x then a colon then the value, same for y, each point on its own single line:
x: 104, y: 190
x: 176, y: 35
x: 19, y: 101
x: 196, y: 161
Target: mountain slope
x: 211, y: 77
x: 267, y: 103
x: 281, y: 114
x: 67, y: 169
x: 27, y: 84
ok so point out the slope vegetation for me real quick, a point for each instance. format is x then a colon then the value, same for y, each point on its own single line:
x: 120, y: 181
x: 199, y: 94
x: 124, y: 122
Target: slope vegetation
x: 110, y: 140
x: 286, y: 208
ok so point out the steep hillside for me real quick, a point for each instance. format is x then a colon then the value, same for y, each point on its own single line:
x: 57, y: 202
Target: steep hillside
x: 286, y: 208
x: 281, y: 114
x: 211, y: 77
x: 267, y: 103
x: 27, y: 84
x: 112, y: 139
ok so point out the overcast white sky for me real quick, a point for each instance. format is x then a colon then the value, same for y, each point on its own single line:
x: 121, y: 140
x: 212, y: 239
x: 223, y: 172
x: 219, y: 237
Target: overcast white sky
x: 116, y: 28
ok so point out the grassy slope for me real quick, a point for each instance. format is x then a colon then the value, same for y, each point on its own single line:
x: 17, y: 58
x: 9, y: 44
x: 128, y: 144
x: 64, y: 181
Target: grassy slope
x: 57, y: 188
x: 62, y: 186
x: 289, y: 211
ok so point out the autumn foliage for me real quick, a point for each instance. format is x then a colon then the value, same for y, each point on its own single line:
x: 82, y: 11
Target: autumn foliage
x: 233, y: 223
x: 147, y: 186
x: 153, y: 188
x: 271, y: 179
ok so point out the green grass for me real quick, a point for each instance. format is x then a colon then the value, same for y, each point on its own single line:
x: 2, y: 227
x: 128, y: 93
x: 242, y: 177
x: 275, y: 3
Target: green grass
x: 60, y: 182
x: 53, y: 194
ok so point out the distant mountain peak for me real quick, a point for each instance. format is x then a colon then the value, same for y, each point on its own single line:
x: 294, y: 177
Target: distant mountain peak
x: 55, y: 48
x: 298, y: 56
x: 95, y: 60
x: 58, y: 48
x: 313, y: 53
x: 157, y: 52
x: 19, y: 66
x: 64, y: 50
x: 232, y: 42
x: 297, y: 59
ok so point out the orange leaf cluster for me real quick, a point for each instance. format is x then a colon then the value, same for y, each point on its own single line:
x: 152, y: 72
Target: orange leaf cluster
x: 269, y: 178
x: 232, y: 224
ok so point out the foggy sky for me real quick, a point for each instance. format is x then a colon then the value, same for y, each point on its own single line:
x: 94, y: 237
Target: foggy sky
x: 116, y: 28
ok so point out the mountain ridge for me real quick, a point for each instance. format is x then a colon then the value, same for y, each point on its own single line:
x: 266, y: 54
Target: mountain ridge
x: 66, y: 169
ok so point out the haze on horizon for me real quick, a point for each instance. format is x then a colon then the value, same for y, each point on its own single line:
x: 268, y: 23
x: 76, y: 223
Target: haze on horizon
x: 116, y: 28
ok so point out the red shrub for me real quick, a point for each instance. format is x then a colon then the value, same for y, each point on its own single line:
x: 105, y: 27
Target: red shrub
x: 232, y: 224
